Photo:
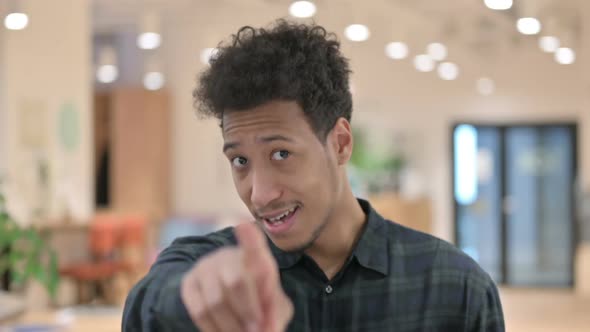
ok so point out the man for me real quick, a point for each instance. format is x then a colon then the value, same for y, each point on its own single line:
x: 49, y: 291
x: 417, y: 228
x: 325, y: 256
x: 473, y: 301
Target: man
x: 328, y: 261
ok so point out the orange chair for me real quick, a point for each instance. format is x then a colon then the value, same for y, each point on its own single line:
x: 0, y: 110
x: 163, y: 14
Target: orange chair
x: 104, y: 263
x: 132, y: 231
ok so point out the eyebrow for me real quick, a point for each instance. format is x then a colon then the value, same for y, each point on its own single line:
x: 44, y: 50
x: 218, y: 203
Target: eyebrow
x: 264, y: 139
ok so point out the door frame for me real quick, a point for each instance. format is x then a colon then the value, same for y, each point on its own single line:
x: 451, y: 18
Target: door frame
x: 503, y: 126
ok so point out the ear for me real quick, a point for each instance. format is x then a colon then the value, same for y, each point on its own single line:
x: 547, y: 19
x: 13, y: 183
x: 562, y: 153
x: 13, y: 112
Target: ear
x: 342, y: 141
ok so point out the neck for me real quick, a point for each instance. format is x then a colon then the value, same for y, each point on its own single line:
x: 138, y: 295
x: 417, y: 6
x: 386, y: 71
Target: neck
x: 335, y: 243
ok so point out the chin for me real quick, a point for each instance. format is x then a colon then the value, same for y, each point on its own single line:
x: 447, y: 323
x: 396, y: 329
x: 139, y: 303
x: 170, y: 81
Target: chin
x: 288, y: 245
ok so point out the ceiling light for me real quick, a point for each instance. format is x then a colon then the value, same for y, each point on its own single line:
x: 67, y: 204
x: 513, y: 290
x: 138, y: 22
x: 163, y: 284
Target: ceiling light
x: 437, y: 51
x: 16, y: 21
x: 528, y: 26
x: 498, y: 4
x: 107, y: 73
x: 423, y: 63
x: 396, y: 50
x: 153, y: 80
x: 485, y: 86
x: 149, y: 40
x: 357, y: 32
x: 207, y: 54
x: 549, y: 44
x: 448, y: 71
x: 302, y: 9
x: 565, y: 56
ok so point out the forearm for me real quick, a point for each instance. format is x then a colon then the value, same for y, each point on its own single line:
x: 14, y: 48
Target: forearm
x: 154, y: 304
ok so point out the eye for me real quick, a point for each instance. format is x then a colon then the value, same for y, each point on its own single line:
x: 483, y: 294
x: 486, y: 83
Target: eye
x: 239, y: 162
x: 281, y: 155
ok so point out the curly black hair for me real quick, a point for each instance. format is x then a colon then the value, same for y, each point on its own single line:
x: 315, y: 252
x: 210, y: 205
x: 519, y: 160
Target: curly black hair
x: 288, y: 61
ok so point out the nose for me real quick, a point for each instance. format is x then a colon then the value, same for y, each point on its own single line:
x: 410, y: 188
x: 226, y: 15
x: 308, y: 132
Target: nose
x: 265, y: 189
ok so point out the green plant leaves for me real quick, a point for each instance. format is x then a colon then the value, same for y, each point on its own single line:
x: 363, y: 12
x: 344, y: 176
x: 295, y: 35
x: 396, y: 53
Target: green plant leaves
x: 28, y: 256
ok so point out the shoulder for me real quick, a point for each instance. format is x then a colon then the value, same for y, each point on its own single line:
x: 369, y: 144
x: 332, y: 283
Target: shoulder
x: 219, y: 238
x: 423, y: 252
x: 450, y: 279
x: 193, y: 247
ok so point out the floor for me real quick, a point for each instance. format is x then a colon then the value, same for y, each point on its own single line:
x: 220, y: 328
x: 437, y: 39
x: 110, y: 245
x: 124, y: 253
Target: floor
x: 81, y: 319
x: 525, y: 311
x: 545, y: 311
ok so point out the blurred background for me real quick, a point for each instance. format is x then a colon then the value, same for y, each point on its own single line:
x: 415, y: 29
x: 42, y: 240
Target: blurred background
x: 471, y: 119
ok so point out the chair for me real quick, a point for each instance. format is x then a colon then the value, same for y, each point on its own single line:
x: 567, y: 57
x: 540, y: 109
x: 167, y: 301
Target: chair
x: 110, y: 237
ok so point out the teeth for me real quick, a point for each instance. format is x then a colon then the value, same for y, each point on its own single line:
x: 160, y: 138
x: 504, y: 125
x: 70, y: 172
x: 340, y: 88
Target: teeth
x: 278, y: 219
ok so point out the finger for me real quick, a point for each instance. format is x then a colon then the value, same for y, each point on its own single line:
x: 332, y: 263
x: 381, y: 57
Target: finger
x: 196, y: 307
x: 280, y: 314
x: 225, y: 319
x: 259, y: 261
x: 252, y: 240
x: 218, y: 306
x: 257, y: 257
x: 269, y: 308
x: 240, y: 290
x: 269, y: 301
x: 285, y: 312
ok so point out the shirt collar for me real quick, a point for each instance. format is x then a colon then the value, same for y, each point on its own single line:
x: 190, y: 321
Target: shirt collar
x: 371, y: 250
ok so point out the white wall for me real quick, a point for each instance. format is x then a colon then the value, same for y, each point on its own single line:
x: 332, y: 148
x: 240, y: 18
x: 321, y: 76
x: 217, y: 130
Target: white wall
x: 3, y: 113
x: 45, y: 67
x: 202, y: 183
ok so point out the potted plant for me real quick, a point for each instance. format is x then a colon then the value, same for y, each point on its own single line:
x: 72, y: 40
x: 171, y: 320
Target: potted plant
x: 24, y: 256
x: 379, y: 168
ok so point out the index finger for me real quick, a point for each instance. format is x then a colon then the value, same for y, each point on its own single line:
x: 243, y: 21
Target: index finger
x: 252, y: 240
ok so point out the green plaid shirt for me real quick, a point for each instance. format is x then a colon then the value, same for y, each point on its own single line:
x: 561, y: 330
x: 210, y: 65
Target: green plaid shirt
x: 396, y: 279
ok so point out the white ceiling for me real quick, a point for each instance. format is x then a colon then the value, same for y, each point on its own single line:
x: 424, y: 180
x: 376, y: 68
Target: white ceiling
x: 465, y: 22
x: 109, y: 14
x: 474, y: 34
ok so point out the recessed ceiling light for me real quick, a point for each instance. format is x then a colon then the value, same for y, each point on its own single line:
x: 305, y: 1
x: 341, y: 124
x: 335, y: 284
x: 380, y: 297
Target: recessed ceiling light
x: 357, y: 32
x: 448, y: 71
x: 549, y: 44
x: 498, y: 4
x: 528, y: 26
x: 107, y: 73
x: 437, y: 51
x: 16, y: 21
x: 396, y: 50
x: 149, y: 40
x: 302, y: 9
x: 153, y: 80
x: 565, y: 56
x: 423, y: 63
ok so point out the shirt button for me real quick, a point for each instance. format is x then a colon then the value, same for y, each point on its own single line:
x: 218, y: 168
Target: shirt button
x: 329, y: 289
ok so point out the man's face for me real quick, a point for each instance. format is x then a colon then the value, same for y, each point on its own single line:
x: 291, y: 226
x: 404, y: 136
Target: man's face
x: 283, y: 173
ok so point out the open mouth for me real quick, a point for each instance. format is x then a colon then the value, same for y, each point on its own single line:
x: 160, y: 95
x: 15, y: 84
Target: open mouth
x: 282, y: 217
x: 282, y: 222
